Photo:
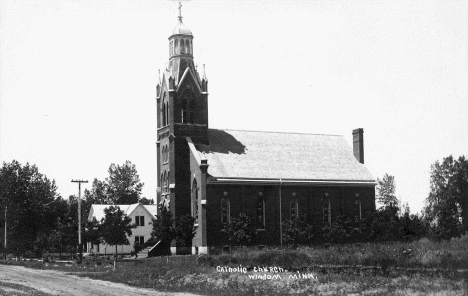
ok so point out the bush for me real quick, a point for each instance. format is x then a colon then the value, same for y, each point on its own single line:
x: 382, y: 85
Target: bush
x: 297, y: 231
x: 240, y: 229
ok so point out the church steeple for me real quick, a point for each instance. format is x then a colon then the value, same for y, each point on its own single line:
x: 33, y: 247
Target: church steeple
x: 182, y: 111
x: 180, y: 42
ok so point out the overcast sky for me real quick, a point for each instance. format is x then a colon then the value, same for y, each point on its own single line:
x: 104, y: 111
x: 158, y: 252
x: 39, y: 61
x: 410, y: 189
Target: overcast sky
x: 78, y: 79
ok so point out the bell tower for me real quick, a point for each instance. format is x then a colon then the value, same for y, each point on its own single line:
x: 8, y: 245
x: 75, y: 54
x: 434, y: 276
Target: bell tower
x: 182, y: 117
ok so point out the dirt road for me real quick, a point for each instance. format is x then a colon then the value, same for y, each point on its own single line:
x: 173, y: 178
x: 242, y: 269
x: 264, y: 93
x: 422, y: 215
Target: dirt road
x: 60, y: 283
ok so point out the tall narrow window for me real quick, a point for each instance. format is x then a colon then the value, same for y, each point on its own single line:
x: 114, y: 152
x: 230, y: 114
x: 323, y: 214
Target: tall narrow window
x: 140, y: 220
x: 195, y: 200
x: 163, y: 113
x: 261, y: 213
x: 225, y: 210
x: 167, y: 113
x: 165, y: 182
x: 182, y: 46
x: 357, y: 210
x: 176, y: 46
x: 161, y: 183
x: 192, y: 112
x: 327, y: 212
x: 294, y: 209
x: 183, y: 111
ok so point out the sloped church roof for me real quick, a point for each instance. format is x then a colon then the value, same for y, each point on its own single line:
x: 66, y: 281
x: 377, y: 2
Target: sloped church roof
x: 254, y: 155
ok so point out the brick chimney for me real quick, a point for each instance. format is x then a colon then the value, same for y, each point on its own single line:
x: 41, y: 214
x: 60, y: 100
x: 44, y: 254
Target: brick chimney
x: 358, y: 144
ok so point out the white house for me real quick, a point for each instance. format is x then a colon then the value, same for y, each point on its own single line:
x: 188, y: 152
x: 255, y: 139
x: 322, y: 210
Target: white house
x: 141, y: 215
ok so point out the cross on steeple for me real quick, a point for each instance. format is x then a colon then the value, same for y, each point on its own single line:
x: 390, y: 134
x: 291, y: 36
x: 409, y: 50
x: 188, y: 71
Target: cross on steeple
x: 180, y: 11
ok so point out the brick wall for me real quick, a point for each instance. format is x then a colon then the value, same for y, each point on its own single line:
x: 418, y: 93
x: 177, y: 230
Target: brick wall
x: 243, y: 198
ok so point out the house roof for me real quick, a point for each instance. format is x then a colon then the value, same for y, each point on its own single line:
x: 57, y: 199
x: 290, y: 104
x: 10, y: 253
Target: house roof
x: 253, y: 155
x: 97, y: 210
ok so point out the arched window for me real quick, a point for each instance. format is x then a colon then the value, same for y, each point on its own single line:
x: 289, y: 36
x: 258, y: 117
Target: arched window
x: 192, y: 112
x: 189, y: 47
x: 326, y: 212
x: 165, y: 182
x: 183, y: 111
x: 182, y: 46
x: 163, y: 113
x: 195, y: 200
x: 167, y: 113
x: 225, y: 210
x: 294, y: 209
x: 357, y: 210
x: 176, y: 47
x: 261, y: 212
x: 161, y: 183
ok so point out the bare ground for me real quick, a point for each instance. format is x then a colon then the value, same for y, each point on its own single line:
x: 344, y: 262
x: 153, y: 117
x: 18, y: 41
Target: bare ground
x: 19, y: 280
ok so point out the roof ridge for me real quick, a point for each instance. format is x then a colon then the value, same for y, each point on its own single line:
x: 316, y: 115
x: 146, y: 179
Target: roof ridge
x: 273, y: 132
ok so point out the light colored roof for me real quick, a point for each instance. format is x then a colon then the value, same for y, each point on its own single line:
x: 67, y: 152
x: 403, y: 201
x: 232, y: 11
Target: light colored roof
x: 153, y: 209
x: 181, y: 29
x: 97, y: 210
x: 286, y: 156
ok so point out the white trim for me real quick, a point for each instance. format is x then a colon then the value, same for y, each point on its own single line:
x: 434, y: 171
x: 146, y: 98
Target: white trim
x: 203, y: 250
x: 193, y: 150
x: 275, y: 181
x: 193, y: 77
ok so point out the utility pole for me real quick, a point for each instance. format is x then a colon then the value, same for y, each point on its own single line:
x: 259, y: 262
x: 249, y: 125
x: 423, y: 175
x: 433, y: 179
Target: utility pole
x: 6, y: 252
x: 80, y: 247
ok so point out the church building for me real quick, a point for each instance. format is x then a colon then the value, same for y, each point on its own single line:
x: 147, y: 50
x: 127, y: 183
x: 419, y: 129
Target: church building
x: 214, y: 174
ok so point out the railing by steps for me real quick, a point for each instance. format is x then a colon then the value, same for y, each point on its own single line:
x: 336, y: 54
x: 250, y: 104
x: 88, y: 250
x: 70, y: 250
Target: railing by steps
x: 146, y: 251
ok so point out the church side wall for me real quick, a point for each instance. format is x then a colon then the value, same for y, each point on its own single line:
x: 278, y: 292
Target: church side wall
x: 195, y: 174
x: 310, y: 199
x: 182, y: 177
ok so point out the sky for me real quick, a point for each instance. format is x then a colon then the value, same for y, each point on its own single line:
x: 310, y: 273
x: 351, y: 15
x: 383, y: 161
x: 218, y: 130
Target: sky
x: 78, y: 80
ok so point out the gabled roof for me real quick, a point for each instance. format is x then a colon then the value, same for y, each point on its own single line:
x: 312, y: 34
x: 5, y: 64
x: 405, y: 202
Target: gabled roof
x: 98, y: 210
x: 294, y: 157
x: 176, y: 69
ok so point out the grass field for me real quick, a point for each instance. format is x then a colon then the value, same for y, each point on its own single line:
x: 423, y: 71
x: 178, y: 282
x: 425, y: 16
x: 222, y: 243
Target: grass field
x: 419, y: 268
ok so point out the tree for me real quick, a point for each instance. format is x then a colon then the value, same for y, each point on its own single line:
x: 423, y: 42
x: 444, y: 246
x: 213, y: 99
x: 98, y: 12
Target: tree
x: 386, y: 191
x: 124, y: 184
x: 92, y: 232
x: 240, y: 229
x: 145, y: 201
x: 413, y: 226
x: 163, y: 229
x: 31, y: 204
x: 98, y: 193
x: 115, y: 227
x: 185, y: 230
x: 446, y: 206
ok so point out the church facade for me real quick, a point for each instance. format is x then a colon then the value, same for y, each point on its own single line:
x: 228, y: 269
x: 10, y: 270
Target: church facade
x: 215, y: 174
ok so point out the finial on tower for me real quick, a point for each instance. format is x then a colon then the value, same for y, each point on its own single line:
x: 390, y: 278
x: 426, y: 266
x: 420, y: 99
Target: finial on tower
x: 180, y: 11
x: 204, y: 73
